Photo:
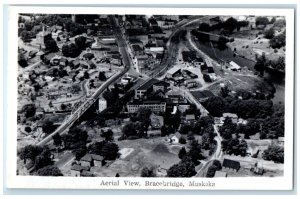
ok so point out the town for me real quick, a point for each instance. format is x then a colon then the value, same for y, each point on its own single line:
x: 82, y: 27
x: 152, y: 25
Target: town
x: 151, y: 95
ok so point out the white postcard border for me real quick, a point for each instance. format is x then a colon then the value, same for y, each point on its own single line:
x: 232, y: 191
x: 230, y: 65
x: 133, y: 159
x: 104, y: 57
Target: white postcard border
x: 243, y: 183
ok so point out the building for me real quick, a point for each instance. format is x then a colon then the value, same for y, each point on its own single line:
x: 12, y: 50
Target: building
x: 91, y: 160
x: 234, y: 66
x: 190, y: 118
x: 77, y: 169
x: 144, y: 88
x: 231, y: 164
x: 173, y: 71
x: 161, y: 85
x: 220, y: 174
x: 154, y: 105
x: 232, y: 116
x: 102, y: 104
x: 202, y: 96
x: 174, y: 138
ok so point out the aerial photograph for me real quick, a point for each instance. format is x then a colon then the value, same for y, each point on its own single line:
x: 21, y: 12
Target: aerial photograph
x: 165, y: 96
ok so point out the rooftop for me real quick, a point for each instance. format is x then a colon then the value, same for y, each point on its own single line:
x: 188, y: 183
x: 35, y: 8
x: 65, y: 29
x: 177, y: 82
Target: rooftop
x: 148, y: 84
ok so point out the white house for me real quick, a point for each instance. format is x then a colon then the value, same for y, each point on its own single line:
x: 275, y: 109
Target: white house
x: 234, y: 66
x: 102, y: 104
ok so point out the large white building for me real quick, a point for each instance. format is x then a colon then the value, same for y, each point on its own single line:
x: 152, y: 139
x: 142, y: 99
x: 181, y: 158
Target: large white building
x: 154, y: 106
x: 102, y: 104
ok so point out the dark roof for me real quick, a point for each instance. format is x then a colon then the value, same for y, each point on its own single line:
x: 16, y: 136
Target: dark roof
x: 148, y: 84
x: 188, y: 55
x: 97, y: 157
x: 85, y: 173
x: 88, y: 55
x: 152, y: 21
x: 136, y: 47
x: 161, y: 83
x: 159, y: 56
x: 231, y: 164
x: 203, y: 94
x: 76, y: 167
x: 87, y: 158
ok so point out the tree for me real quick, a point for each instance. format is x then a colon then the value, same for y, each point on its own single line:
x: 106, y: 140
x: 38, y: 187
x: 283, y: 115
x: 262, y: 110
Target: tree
x: 211, y: 171
x: 57, y: 140
x: 63, y: 106
x: 182, y: 140
x: 80, y: 151
x: 107, y: 135
x: 224, y: 91
x: 29, y: 152
x: 148, y: 172
x: 27, y: 129
x: 205, y: 27
x: 58, y: 39
x: 48, y: 126
x: 269, y: 34
x: 185, y: 168
x: 110, y: 151
x: 261, y: 21
x: 222, y: 41
x: 274, y: 153
x: 182, y: 153
x: 86, y: 75
x: 218, y: 165
x: 185, y: 128
x: 102, y: 76
x: 195, y: 151
x: 80, y: 42
x: 70, y: 50
x: 216, y: 106
x: 43, y: 159
x: 278, y: 41
x: 29, y: 110
x: 49, y: 171
x: 50, y: 44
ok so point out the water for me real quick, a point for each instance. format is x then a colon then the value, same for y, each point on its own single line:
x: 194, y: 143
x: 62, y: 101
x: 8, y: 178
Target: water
x: 278, y: 79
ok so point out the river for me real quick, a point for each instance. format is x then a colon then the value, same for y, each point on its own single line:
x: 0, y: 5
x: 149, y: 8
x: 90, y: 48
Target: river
x: 278, y: 79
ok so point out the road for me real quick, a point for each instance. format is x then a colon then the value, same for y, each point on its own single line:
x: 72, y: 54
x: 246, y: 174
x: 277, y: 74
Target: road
x: 217, y: 155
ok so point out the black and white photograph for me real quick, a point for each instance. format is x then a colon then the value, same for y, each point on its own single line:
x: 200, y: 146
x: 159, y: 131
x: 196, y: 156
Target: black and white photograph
x: 198, y: 97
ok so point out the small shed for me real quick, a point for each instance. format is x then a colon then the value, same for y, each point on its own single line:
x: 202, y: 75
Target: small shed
x: 220, y: 174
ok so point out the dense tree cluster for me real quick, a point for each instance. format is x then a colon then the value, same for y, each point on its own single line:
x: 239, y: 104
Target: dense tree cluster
x: 108, y: 149
x: 269, y: 33
x: 251, y: 108
x: 274, y: 153
x: 235, y: 146
x: 216, y: 166
x: 40, y: 156
x: 70, y: 50
x: 49, y: 171
x: 29, y: 110
x: 50, y: 44
x: 278, y: 41
x: 261, y: 21
x: 48, y: 126
x: 185, y: 168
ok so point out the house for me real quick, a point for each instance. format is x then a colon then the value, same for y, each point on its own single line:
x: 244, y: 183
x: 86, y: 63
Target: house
x: 91, y: 160
x: 190, y: 118
x: 234, y: 66
x: 77, y: 169
x: 137, y: 50
x: 63, y: 62
x: 232, y: 116
x: 144, y: 88
x: 102, y: 104
x: 174, y: 138
x: 220, y: 174
x: 88, y: 56
x: 39, y: 111
x: 85, y: 173
x: 98, y: 160
x: 202, y: 96
x: 231, y: 164
x: 173, y: 71
x: 161, y: 85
